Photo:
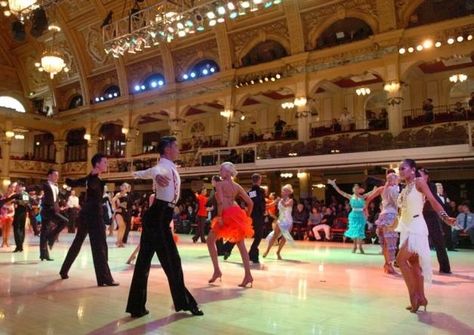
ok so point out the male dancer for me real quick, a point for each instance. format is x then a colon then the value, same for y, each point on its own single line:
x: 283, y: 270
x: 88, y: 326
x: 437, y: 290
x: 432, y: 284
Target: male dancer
x: 157, y: 237
x: 50, y: 214
x: 257, y: 194
x: 19, y: 219
x: 91, y: 222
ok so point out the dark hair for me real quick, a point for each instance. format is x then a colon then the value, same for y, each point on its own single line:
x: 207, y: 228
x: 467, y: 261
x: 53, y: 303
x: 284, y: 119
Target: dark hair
x: 423, y: 170
x: 467, y: 204
x: 216, y: 178
x: 165, y: 142
x: 256, y: 177
x: 389, y: 171
x: 410, y: 162
x: 51, y: 171
x: 20, y: 183
x: 97, y: 158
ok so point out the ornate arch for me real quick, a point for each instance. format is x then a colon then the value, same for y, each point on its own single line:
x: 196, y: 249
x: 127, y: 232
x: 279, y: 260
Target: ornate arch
x: 319, y: 29
x: 262, y: 37
x: 200, y: 57
x: 136, y: 119
x: 408, y: 10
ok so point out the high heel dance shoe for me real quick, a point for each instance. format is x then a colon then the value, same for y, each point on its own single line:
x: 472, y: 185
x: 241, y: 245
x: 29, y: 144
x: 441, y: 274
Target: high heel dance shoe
x: 388, y: 268
x: 246, y: 282
x: 419, y: 302
x: 214, y: 277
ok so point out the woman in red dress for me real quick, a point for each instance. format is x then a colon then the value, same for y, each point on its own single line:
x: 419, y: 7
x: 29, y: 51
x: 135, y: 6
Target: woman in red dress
x: 232, y: 223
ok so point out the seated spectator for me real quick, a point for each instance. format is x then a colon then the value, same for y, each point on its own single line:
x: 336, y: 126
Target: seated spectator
x: 251, y: 135
x: 300, y: 220
x: 315, y: 218
x: 234, y: 157
x: 459, y: 113
x: 464, y: 223
x: 325, y: 225
x: 278, y: 127
x: 290, y: 132
x: 335, y: 126
x: 267, y: 135
x: 471, y: 102
x: 371, y: 119
x: 383, y: 119
x: 345, y: 120
x: 428, y: 110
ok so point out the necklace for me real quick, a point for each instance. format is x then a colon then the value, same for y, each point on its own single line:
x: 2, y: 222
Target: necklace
x: 403, y: 198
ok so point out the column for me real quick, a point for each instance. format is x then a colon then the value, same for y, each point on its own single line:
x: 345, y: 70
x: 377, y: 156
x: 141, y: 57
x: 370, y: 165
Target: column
x: 305, y: 190
x: 176, y: 128
x: 303, y: 117
x: 91, y: 147
x: 130, y: 148
x: 395, y: 117
x: 60, y: 151
x: 5, y: 176
x: 233, y: 129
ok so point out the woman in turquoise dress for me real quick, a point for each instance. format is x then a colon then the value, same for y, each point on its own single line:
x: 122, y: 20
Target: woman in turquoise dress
x: 357, y: 219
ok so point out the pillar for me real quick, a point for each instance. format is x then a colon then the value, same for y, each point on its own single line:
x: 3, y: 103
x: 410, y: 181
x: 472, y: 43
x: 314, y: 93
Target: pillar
x: 60, y: 151
x: 305, y: 190
x: 395, y: 116
x: 176, y: 128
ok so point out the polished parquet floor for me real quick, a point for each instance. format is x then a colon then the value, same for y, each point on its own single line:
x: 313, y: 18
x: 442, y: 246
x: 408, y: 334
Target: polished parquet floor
x: 319, y: 288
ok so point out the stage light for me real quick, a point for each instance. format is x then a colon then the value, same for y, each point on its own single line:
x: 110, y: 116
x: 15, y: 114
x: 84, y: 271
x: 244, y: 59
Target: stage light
x: 205, y: 72
x: 221, y: 10
x: 410, y: 49
x: 427, y: 44
x: 460, y: 39
x: 210, y: 15
x: 161, y: 82
x: 469, y: 37
x: 212, y: 23
x: 212, y: 69
x: 437, y: 44
x: 419, y: 47
x: 193, y: 74
x: 153, y: 84
x: 137, y: 88
x: 110, y: 96
x: 401, y: 51
x: 278, y: 76
x: 450, y: 40
x: 97, y: 99
x: 245, y: 4
x: 143, y: 87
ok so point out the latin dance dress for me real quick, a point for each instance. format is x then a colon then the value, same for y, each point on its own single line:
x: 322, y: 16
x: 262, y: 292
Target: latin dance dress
x: 413, y: 229
x: 356, y: 219
x: 235, y: 227
x: 284, y: 222
x: 387, y: 220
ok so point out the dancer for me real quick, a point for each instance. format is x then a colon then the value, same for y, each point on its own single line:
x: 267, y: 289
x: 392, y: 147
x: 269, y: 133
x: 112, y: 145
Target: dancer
x: 19, y: 219
x: 157, y: 238
x: 7, y: 212
x: 231, y: 223
x: 387, y: 221
x: 284, y: 222
x: 257, y: 194
x: 91, y: 222
x: 50, y: 214
x: 73, y: 208
x: 414, y: 256
x: 121, y: 205
x: 211, y: 207
x: 357, y: 221
x: 434, y: 225
x: 201, y: 216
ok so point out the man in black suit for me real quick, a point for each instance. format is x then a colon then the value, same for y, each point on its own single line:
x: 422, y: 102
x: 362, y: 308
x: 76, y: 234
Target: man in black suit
x: 434, y: 227
x: 446, y: 229
x: 19, y: 219
x: 257, y: 194
x: 50, y: 214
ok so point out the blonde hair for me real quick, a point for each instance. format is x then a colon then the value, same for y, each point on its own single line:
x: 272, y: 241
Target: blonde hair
x: 392, y: 177
x: 287, y: 187
x: 126, y: 187
x: 230, y: 167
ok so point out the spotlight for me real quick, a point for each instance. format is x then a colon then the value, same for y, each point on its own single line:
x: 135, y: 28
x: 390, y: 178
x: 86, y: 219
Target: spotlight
x: 410, y: 49
x: 212, y: 69
x: 427, y: 44
x: 419, y: 47
x: 450, y: 40
x: 205, y: 72
x: 272, y: 79
x: 210, y: 15
x: 193, y: 74
x: 115, y: 94
x: 245, y: 4
x: 221, y: 10
x: 212, y: 23
x: 181, y: 33
x: 110, y: 96
x: 153, y: 84
x: 437, y: 44
x: 469, y: 37
x: 278, y: 76
x: 401, y: 51
x: 97, y: 99
x: 143, y: 87
x: 266, y: 78
x: 230, y: 6
x: 260, y: 80
x: 137, y: 88
x: 161, y: 82
x: 252, y: 82
x: 460, y: 39
x: 233, y: 15
x: 101, y: 98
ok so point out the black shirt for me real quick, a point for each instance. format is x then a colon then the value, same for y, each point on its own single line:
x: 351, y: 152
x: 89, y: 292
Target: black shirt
x: 257, y: 194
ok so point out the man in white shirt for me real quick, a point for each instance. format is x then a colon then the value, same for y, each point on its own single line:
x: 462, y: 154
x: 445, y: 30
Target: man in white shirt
x: 72, y: 206
x: 157, y: 236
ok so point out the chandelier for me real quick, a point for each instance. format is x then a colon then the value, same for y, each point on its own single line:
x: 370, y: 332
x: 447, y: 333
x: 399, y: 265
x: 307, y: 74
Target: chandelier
x: 52, y: 60
x: 168, y: 20
x: 458, y: 77
x: 20, y: 8
x: 392, y: 87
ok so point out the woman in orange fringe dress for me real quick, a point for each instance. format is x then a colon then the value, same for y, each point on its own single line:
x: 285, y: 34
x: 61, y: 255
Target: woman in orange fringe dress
x: 232, y: 223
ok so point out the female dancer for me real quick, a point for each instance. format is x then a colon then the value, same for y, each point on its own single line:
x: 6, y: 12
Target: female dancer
x: 357, y: 221
x: 120, y: 203
x: 7, y: 212
x: 284, y: 222
x: 387, y: 219
x: 231, y: 223
x: 414, y: 256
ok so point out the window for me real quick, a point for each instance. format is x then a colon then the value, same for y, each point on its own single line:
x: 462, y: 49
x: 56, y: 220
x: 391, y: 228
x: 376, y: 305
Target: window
x: 153, y: 81
x: 204, y: 68
x: 344, y: 31
x: 111, y: 92
x: 440, y: 10
x: 264, y: 52
x: 9, y: 102
x: 75, y: 102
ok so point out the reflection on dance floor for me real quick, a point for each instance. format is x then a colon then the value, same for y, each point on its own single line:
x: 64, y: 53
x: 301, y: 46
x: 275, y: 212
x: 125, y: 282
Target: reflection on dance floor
x: 318, y: 288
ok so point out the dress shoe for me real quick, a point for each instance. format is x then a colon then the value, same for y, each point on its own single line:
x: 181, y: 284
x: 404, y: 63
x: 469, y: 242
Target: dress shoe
x: 64, y: 275
x: 140, y: 314
x: 445, y: 272
x: 112, y: 283
x: 194, y: 310
x: 46, y: 259
x: 18, y: 250
x: 226, y: 255
x: 50, y: 244
x: 452, y: 249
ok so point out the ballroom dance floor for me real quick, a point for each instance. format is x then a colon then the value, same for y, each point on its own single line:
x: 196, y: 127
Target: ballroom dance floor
x: 319, y: 288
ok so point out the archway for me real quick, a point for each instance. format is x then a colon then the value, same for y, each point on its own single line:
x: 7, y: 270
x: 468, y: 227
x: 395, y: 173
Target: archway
x: 263, y: 52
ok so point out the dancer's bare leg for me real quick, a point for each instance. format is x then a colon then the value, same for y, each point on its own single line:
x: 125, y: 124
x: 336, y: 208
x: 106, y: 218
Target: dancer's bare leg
x: 121, y: 230
x: 246, y: 261
x: 405, y: 267
x: 276, y: 234
x: 280, y: 246
x: 211, y: 246
x: 133, y: 255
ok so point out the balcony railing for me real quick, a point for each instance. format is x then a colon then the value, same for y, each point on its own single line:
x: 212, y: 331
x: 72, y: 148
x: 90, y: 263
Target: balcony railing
x: 331, y: 127
x: 415, y: 117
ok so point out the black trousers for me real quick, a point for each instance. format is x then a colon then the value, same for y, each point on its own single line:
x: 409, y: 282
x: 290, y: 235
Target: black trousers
x: 257, y: 238
x: 200, y: 230
x: 128, y: 225
x: 49, y: 234
x: 72, y: 214
x: 157, y: 238
x: 19, y: 220
x: 448, y: 239
x: 96, y: 230
x: 437, y: 239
